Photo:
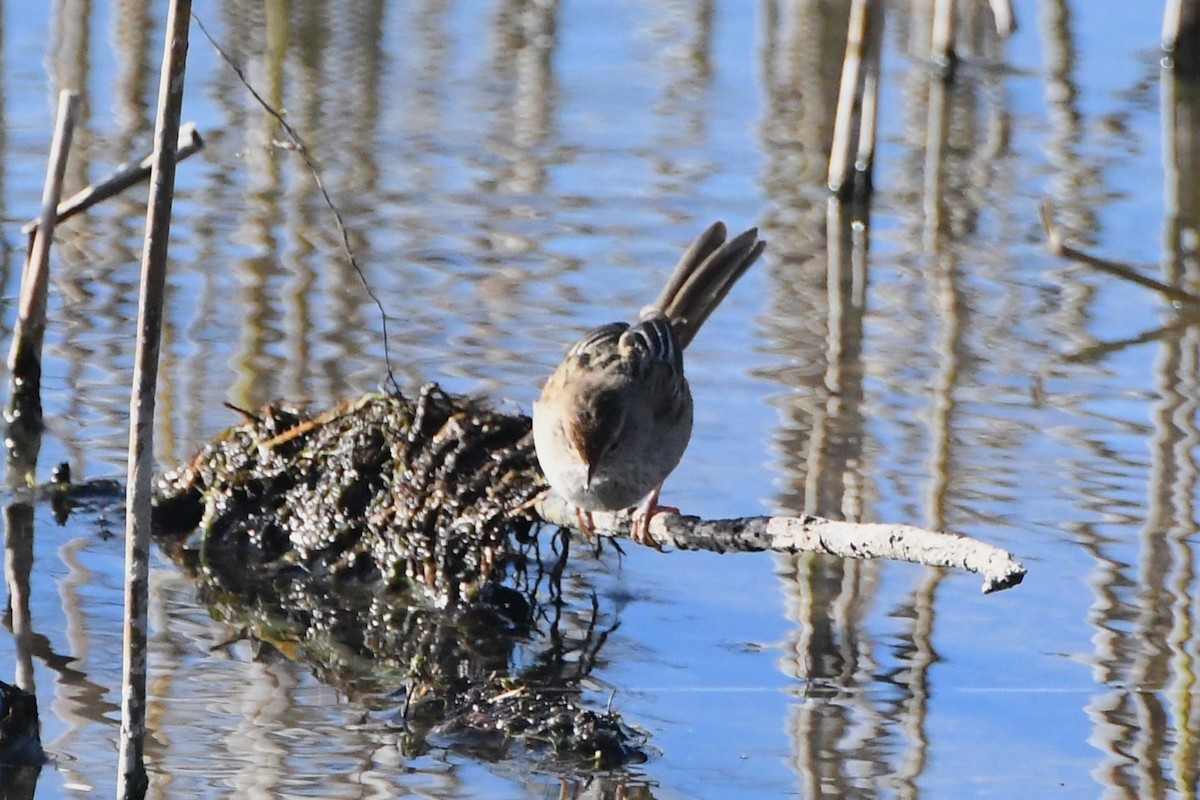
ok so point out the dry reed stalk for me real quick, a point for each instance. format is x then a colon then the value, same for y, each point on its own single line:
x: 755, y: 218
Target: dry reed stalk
x: 1006, y: 18
x: 941, y: 46
x: 849, y: 107
x: 1181, y: 28
x: 131, y: 777
x: 24, y: 412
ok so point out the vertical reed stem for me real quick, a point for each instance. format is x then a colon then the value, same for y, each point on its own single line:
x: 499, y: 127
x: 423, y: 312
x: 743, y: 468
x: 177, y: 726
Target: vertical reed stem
x: 846, y: 119
x: 1006, y: 18
x: 131, y: 778
x: 941, y: 48
x: 24, y: 412
x: 868, y: 123
x: 1181, y: 27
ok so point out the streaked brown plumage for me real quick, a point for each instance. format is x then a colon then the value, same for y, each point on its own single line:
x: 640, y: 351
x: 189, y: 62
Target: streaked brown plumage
x: 614, y: 419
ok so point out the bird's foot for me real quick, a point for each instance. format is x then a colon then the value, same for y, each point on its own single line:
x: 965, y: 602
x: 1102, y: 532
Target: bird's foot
x: 640, y: 532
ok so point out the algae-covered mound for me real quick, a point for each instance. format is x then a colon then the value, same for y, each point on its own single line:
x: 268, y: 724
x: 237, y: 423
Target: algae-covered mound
x: 424, y: 490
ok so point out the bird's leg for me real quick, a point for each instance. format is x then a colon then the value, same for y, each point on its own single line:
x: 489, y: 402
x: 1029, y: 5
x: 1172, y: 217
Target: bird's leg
x: 640, y: 532
x: 585, y: 523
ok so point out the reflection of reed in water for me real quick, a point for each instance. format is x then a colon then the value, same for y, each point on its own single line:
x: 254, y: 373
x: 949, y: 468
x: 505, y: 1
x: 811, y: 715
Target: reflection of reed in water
x: 955, y: 138
x: 1077, y: 180
x: 1145, y: 613
x: 817, y: 318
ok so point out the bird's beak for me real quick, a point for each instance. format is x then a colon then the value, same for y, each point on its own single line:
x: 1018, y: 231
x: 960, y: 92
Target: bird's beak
x: 591, y: 471
x: 583, y: 448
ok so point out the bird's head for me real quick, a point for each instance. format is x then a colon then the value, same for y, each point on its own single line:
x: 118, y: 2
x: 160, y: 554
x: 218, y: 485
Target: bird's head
x: 595, y: 427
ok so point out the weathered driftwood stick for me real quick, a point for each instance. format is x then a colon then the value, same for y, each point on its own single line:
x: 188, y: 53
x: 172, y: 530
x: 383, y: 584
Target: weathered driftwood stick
x: 1000, y: 570
x: 24, y: 412
x: 846, y: 121
x: 124, y: 176
x: 131, y: 775
x: 1056, y: 245
x: 1005, y: 17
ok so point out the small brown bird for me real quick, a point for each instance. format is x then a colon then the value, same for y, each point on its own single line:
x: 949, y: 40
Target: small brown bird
x: 614, y: 419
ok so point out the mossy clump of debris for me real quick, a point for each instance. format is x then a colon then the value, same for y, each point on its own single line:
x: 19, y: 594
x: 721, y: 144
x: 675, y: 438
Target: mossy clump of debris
x: 387, y: 544
x: 424, y: 491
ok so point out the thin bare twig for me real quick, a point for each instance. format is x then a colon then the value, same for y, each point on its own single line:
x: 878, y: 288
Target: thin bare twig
x: 119, y: 180
x: 298, y: 145
x: 1056, y: 245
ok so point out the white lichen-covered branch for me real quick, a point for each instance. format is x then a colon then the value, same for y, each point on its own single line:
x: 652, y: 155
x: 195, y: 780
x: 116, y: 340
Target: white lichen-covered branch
x: 806, y: 534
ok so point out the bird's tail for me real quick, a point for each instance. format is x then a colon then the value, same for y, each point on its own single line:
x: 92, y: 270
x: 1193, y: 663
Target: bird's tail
x: 706, y: 273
